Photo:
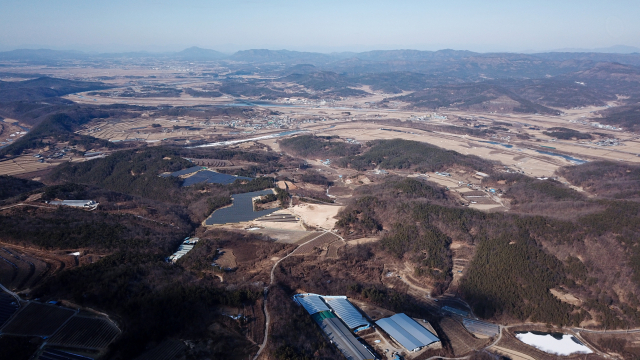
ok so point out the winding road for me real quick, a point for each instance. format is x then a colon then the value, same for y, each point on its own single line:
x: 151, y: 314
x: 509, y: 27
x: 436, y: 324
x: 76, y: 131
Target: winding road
x: 266, y: 291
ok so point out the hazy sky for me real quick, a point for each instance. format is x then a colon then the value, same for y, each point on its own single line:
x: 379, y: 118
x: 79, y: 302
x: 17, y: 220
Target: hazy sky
x: 325, y: 26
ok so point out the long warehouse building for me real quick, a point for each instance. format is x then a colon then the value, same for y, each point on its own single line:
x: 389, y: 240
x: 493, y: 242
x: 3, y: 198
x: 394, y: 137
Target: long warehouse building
x: 346, y: 311
x: 411, y: 335
x: 340, y: 336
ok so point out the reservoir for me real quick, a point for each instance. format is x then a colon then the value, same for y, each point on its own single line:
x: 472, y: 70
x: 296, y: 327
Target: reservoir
x: 553, y: 343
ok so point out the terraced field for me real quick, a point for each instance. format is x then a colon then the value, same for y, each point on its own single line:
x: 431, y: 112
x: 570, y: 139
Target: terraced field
x: 8, y: 272
x: 20, y: 271
x: 8, y: 306
x: 37, y: 320
x: 308, y: 237
x: 212, y: 162
x: 332, y: 252
x: 85, y: 333
x: 55, y: 354
x: 481, y: 327
x: 167, y: 350
x: 322, y: 241
x: 461, y: 340
x: 21, y: 165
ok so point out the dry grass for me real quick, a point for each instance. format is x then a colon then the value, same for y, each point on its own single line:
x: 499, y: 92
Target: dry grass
x: 462, y: 341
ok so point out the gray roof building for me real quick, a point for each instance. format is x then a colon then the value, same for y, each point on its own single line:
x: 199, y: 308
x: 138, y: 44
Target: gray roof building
x: 411, y: 335
x: 87, y: 204
x: 350, y: 347
x: 346, y: 311
x: 312, y: 303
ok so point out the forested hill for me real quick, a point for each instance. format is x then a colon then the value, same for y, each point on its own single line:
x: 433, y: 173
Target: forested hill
x: 43, y: 87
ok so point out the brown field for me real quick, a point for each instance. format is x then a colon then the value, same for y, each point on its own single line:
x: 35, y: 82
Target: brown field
x: 462, y: 341
x: 22, y: 164
x: 320, y: 216
x: 37, y: 319
x: 24, y: 268
x: 322, y: 242
x: 625, y: 344
x: 332, y: 252
x: 308, y: 237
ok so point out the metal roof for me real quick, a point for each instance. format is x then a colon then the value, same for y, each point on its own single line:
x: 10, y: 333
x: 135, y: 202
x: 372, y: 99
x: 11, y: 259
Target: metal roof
x: 313, y: 304
x: 407, y: 331
x: 346, y: 311
x: 350, y: 347
x: 74, y: 202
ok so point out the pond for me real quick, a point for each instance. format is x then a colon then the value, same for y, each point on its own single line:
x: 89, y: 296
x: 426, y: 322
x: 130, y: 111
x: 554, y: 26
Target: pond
x: 497, y: 143
x: 567, y: 157
x: 553, y: 343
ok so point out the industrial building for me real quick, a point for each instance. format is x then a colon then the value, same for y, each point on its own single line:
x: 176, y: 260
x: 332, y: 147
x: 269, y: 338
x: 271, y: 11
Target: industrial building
x: 323, y: 310
x: 312, y: 303
x: 183, y: 249
x: 341, y: 337
x: 347, y: 312
x: 406, y: 331
x: 85, y: 204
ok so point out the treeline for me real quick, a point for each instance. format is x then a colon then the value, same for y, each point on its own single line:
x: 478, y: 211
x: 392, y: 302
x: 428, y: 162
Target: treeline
x: 315, y: 178
x: 627, y: 117
x: 406, y: 154
x: 11, y: 186
x: 60, y: 127
x: 73, y: 228
x: 155, y: 300
x: 529, y: 190
x: 205, y: 94
x: 132, y: 172
x: 318, y: 146
x: 566, y: 134
x: 44, y: 87
x: 375, y: 204
x: 419, y: 229
x: 136, y: 172
x: 605, y: 178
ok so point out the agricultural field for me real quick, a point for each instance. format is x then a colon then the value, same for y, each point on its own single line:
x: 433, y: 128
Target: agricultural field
x: 37, y: 319
x: 462, y: 342
x: 24, y: 268
x: 22, y: 165
x: 8, y: 307
x: 85, y: 333
x: 167, y: 350
x: 321, y: 242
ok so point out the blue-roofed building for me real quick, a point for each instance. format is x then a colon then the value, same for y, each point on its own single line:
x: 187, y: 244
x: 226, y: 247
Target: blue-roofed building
x: 406, y: 331
x: 346, y: 311
x: 312, y: 303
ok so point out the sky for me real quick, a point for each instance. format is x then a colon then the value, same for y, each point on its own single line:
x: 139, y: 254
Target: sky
x: 322, y: 26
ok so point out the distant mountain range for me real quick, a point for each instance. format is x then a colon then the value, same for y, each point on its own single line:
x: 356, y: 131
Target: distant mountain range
x: 287, y: 56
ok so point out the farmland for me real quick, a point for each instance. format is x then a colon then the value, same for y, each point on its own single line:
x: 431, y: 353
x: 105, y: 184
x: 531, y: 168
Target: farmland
x: 85, y: 333
x: 320, y: 242
x: 8, y: 307
x: 38, y: 320
x: 449, y: 187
